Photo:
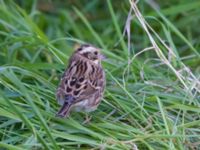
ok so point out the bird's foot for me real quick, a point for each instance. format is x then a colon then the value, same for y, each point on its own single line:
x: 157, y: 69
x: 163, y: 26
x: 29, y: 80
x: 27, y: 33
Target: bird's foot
x: 87, y: 119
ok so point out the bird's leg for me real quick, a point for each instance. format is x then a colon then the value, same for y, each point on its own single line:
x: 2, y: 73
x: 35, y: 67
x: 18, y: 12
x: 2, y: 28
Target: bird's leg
x: 87, y: 118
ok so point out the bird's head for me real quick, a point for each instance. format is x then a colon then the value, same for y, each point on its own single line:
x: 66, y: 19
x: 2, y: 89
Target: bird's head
x: 90, y: 52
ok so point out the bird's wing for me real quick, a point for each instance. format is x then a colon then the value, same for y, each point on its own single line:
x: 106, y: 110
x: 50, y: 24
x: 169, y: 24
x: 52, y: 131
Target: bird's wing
x: 96, y: 83
x: 81, y: 80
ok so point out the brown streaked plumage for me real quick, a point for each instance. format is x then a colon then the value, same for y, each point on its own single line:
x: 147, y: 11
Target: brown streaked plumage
x: 82, y: 85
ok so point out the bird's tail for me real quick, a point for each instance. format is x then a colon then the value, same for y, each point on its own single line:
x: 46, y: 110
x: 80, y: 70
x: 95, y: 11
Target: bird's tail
x: 66, y: 107
x: 64, y: 110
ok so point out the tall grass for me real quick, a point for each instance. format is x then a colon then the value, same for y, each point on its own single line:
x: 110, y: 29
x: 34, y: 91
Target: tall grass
x: 152, y: 96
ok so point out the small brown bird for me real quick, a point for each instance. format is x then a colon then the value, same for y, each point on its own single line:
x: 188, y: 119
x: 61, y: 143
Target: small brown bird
x: 82, y: 84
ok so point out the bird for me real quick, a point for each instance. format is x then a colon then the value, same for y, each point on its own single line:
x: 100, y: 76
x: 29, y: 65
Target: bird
x: 82, y: 85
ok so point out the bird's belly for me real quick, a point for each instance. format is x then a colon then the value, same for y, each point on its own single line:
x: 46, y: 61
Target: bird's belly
x: 84, y: 105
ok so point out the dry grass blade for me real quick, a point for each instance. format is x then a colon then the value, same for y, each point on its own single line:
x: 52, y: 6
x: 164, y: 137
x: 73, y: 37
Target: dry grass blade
x: 189, y: 86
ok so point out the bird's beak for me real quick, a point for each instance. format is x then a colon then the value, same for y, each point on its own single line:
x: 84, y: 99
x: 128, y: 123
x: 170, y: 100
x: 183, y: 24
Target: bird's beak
x: 103, y: 57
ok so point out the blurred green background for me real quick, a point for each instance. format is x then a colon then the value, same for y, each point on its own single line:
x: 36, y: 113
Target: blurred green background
x: 152, y: 96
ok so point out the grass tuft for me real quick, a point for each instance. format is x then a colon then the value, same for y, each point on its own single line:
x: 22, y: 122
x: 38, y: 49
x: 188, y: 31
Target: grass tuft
x: 152, y: 97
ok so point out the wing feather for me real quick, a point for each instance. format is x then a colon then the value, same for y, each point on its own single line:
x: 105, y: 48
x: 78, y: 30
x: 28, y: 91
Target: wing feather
x: 81, y: 80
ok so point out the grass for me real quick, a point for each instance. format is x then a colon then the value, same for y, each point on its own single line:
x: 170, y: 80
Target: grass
x: 152, y: 97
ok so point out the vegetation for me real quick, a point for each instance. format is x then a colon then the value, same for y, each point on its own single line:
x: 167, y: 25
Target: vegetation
x: 152, y: 98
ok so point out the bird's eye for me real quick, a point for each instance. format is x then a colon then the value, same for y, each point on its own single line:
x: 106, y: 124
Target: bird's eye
x: 79, y: 49
x: 96, y: 53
